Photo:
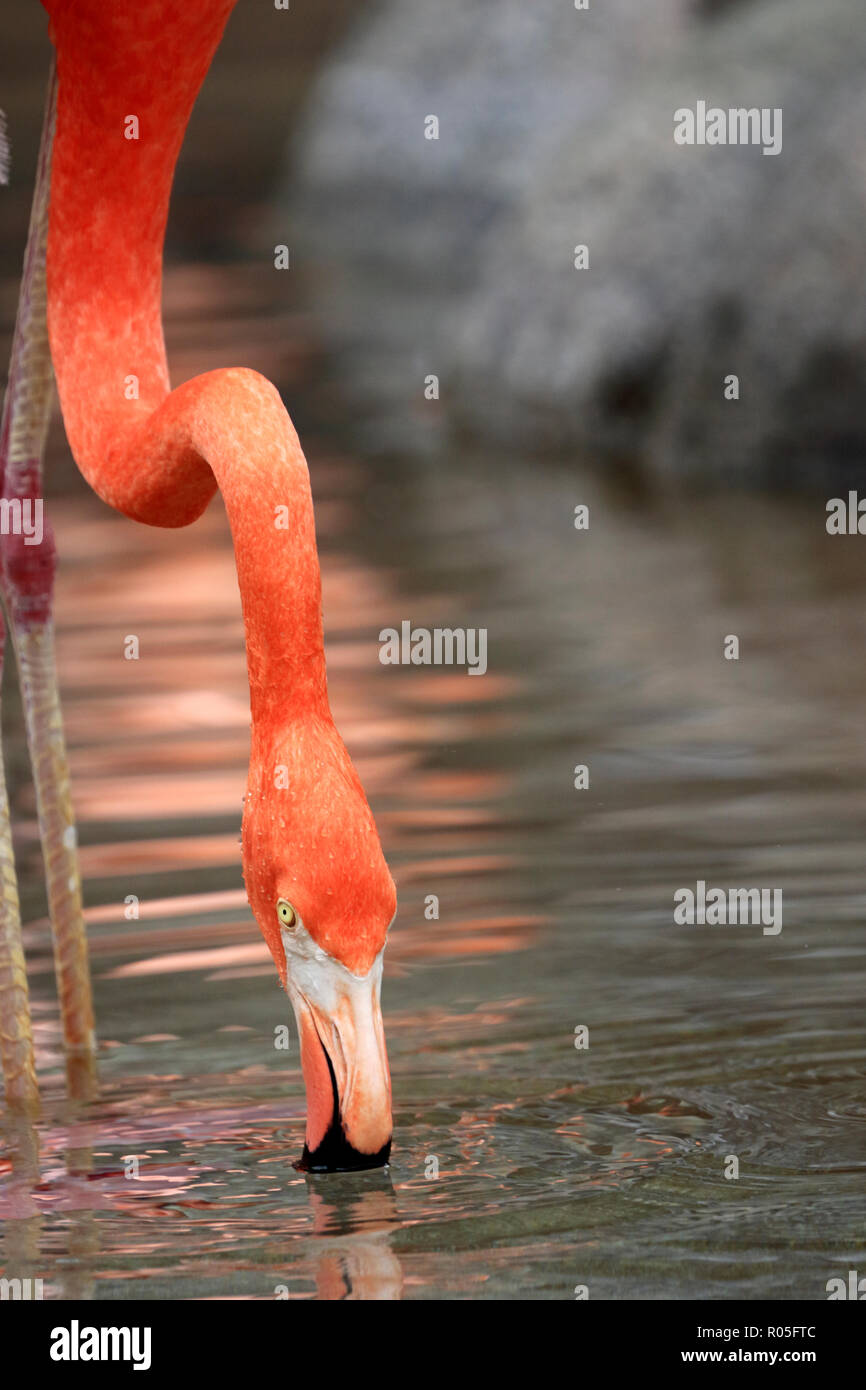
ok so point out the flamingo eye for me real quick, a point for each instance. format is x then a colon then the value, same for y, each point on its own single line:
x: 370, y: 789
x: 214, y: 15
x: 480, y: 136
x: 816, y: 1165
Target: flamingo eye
x: 286, y: 913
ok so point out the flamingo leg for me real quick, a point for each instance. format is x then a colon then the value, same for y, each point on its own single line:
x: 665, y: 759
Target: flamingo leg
x: 16, y: 1032
x: 27, y: 584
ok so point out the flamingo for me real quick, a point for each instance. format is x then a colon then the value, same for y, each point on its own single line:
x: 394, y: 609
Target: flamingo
x: 315, y: 874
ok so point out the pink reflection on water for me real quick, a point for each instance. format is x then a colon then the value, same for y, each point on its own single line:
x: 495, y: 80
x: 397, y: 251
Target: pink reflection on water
x: 179, y: 961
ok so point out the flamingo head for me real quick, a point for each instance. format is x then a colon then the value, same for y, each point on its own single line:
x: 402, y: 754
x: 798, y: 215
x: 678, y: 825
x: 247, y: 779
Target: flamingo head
x: 321, y: 892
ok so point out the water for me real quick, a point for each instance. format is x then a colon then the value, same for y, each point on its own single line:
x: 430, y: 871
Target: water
x: 557, y: 1167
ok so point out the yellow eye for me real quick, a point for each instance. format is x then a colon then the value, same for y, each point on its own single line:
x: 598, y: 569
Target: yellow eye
x: 286, y: 913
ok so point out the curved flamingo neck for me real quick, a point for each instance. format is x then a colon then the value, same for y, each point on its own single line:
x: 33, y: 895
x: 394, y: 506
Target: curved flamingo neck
x: 155, y: 454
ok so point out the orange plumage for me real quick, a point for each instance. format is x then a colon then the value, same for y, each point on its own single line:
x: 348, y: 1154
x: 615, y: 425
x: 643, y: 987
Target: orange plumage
x: 158, y: 455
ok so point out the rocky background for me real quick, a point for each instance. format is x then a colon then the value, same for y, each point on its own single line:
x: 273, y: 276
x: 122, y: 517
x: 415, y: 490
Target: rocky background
x: 455, y: 256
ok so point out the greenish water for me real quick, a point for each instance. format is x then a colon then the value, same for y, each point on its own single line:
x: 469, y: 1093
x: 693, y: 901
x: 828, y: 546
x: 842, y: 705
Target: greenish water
x: 522, y: 1166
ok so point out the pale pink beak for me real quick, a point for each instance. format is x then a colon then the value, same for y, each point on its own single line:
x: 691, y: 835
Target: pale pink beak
x: 344, y: 1062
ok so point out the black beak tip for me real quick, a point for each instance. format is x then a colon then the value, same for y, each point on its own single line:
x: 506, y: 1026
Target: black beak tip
x: 336, y: 1155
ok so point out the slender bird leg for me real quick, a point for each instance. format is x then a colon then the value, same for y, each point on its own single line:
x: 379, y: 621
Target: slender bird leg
x: 17, y: 1057
x: 27, y: 582
x: 16, y: 1033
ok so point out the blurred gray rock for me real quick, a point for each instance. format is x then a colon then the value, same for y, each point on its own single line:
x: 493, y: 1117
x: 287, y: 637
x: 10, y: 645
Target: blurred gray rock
x: 455, y: 256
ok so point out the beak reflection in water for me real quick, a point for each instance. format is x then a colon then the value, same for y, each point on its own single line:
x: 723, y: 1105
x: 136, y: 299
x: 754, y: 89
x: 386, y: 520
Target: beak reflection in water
x: 343, y: 1058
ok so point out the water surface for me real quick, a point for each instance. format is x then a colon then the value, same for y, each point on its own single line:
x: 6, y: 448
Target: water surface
x: 523, y: 1167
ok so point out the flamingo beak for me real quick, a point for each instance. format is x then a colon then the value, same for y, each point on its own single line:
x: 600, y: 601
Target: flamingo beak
x: 343, y: 1058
